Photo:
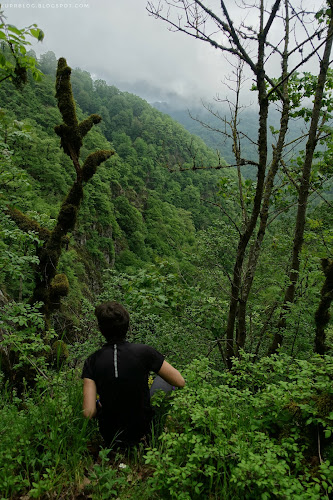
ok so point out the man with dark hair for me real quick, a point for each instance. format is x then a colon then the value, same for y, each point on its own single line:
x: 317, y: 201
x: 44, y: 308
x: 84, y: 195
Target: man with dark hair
x: 113, y: 320
x: 118, y: 372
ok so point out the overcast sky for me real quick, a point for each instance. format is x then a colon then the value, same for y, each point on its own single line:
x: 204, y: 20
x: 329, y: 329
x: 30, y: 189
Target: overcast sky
x: 118, y: 41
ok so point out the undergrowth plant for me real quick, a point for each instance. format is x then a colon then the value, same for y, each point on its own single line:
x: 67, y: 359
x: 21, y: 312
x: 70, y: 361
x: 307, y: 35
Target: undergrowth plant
x: 43, y: 437
x: 259, y: 431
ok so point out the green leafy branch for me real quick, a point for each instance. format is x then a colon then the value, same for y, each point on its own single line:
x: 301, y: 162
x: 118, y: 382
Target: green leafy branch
x: 14, y: 58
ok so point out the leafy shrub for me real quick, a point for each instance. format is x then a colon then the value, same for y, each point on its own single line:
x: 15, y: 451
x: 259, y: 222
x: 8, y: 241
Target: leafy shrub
x: 23, y: 348
x: 107, y: 480
x: 260, y: 431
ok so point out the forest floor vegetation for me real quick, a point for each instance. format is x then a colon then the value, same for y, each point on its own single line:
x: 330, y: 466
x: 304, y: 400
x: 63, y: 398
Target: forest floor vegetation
x: 263, y: 430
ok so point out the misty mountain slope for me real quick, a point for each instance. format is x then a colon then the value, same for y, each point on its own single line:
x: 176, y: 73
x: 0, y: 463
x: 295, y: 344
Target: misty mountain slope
x: 248, y: 128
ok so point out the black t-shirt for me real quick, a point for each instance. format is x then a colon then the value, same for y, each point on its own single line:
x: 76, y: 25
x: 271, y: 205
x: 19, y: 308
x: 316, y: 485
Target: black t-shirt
x: 120, y: 372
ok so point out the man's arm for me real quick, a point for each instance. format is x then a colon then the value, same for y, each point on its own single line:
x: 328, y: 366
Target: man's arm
x: 89, y: 398
x: 171, y: 375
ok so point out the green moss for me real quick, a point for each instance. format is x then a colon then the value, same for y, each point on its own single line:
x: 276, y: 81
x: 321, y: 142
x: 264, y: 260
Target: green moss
x: 294, y: 409
x: 59, y: 285
x: 27, y: 224
x: 75, y: 195
x: 324, y: 404
x: 64, y: 94
x: 68, y: 131
x: 93, y: 161
x: 65, y: 241
x: 49, y: 256
x: 60, y: 347
x: 87, y: 124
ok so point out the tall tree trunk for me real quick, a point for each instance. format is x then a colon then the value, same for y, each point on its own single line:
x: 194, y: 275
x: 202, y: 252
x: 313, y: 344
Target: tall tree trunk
x: 303, y: 193
x: 269, y: 183
x: 246, y: 235
x: 322, y: 315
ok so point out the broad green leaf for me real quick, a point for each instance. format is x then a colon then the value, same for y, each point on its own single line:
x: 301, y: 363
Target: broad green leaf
x: 15, y: 30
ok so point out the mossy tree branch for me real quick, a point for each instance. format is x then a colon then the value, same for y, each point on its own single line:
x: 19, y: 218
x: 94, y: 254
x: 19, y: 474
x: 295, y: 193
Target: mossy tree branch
x: 26, y: 224
x: 50, y: 286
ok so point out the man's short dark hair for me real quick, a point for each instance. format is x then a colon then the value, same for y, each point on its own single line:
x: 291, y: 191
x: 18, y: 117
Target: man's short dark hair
x: 113, y: 320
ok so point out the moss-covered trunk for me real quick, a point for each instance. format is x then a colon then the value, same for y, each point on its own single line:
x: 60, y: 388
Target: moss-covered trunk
x: 49, y: 285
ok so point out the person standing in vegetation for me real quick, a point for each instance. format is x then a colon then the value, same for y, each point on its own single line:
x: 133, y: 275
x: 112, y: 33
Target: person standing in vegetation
x: 118, y: 373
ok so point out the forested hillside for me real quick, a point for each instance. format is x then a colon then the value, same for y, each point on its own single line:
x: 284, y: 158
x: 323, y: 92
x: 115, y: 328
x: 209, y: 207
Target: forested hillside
x: 134, y: 209
x: 103, y: 197
x: 210, y: 123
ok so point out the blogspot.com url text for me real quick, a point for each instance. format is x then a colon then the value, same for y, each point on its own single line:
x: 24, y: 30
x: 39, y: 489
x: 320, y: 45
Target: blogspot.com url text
x: 45, y: 6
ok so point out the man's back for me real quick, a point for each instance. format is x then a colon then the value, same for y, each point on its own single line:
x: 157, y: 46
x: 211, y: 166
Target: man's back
x: 120, y: 371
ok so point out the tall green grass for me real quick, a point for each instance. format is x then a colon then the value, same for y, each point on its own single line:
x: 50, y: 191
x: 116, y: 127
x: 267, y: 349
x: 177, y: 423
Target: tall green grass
x: 43, y: 437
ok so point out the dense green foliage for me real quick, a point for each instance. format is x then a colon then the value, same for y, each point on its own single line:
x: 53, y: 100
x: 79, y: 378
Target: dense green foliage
x: 14, y: 59
x: 263, y: 430
x: 162, y: 243
x: 247, y: 434
x: 133, y: 209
